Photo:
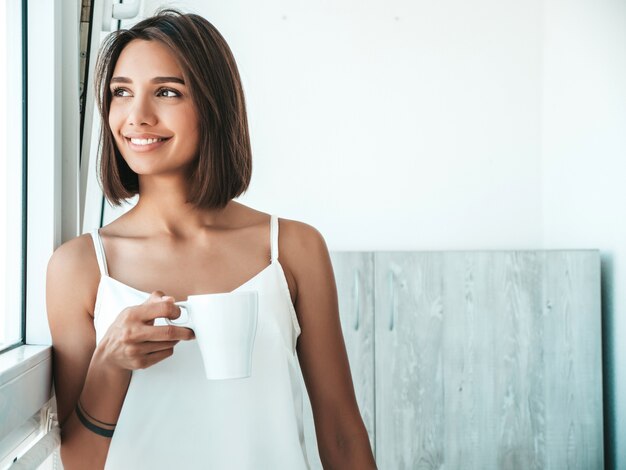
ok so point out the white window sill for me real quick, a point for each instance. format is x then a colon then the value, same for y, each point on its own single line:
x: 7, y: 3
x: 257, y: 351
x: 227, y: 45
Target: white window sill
x: 25, y: 385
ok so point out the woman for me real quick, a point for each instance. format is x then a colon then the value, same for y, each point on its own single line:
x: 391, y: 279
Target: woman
x: 175, y: 133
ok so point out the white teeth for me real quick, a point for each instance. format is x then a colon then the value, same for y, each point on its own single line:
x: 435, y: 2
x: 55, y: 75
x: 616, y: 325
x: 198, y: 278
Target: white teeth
x: 145, y: 141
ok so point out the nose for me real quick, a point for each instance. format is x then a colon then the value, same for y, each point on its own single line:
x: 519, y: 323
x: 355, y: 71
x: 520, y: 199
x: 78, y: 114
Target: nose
x: 141, y: 111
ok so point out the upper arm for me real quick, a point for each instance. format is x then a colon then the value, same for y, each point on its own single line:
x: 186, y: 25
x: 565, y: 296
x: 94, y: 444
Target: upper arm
x: 70, y: 290
x: 321, y: 348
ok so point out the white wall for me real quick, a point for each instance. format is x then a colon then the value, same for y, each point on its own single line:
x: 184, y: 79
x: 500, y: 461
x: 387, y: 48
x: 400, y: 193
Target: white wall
x: 403, y: 125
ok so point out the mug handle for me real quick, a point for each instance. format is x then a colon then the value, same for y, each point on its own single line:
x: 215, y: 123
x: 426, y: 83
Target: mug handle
x: 177, y: 322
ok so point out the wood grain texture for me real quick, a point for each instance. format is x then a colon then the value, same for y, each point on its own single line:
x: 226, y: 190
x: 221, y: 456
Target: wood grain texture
x: 574, y: 361
x: 354, y: 276
x: 514, y: 311
x: 410, y: 432
x: 468, y: 353
x: 488, y: 360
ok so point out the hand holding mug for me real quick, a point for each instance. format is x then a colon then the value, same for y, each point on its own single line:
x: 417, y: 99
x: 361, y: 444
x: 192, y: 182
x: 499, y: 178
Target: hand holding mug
x: 133, y: 342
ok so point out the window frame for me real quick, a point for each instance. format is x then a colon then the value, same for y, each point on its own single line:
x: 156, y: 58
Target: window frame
x: 24, y: 160
x: 50, y: 203
x: 24, y: 168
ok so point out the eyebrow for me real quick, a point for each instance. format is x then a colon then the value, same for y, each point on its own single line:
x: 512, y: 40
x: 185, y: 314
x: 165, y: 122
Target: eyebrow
x: 154, y: 80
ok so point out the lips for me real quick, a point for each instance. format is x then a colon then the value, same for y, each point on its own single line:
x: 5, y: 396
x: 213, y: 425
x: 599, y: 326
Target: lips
x: 146, y: 143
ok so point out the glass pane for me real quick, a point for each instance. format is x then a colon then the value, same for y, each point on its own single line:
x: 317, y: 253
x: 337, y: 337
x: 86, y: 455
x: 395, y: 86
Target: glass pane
x: 11, y: 160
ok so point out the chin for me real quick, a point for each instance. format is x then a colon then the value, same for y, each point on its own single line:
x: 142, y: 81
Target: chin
x: 143, y: 168
x: 153, y: 168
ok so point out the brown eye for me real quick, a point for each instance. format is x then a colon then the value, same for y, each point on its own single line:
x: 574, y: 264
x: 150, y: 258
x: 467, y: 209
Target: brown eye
x: 119, y: 92
x: 168, y: 93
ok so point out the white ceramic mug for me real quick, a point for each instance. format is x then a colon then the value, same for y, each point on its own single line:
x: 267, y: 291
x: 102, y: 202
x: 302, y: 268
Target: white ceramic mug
x: 225, y: 328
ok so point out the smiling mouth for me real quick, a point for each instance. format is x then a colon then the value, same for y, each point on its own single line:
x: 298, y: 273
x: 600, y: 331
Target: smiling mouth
x: 146, y: 145
x: 142, y: 142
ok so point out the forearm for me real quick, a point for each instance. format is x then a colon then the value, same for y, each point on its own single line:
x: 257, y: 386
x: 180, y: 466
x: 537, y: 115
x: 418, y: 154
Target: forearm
x: 102, y: 397
x: 348, y: 451
x: 105, y: 389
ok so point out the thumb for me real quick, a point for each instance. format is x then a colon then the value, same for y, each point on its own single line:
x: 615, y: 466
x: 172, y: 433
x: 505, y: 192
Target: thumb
x: 158, y: 296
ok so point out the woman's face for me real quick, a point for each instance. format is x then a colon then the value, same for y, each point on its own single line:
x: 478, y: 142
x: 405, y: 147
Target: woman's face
x: 152, y: 116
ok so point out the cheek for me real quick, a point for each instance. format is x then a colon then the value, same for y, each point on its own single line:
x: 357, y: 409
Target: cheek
x: 114, y: 119
x: 115, y: 125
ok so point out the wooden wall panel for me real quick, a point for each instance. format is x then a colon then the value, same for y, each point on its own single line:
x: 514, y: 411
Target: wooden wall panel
x: 513, y: 311
x: 573, y: 360
x: 409, y: 360
x: 468, y: 349
x: 492, y: 360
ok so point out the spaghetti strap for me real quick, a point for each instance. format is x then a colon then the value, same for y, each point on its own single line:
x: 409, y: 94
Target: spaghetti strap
x: 274, y: 237
x: 102, y: 261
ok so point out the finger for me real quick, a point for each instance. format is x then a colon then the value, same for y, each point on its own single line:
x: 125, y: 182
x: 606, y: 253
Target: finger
x: 153, y: 358
x: 149, y: 347
x: 163, y: 333
x: 155, y: 296
x: 140, y: 311
x: 158, y: 308
x: 171, y: 333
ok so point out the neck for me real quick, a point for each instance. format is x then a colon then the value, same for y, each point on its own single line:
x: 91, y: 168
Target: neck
x: 162, y: 207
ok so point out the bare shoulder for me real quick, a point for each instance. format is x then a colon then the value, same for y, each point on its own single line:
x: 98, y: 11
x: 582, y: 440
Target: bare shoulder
x: 73, y: 270
x: 300, y: 238
x: 74, y: 258
x: 302, y: 250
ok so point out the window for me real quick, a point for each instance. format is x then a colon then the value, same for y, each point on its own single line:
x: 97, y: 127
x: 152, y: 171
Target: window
x: 11, y: 175
x: 39, y: 191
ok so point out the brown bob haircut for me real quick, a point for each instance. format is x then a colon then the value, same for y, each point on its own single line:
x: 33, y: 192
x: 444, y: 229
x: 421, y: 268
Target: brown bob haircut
x: 223, y: 165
